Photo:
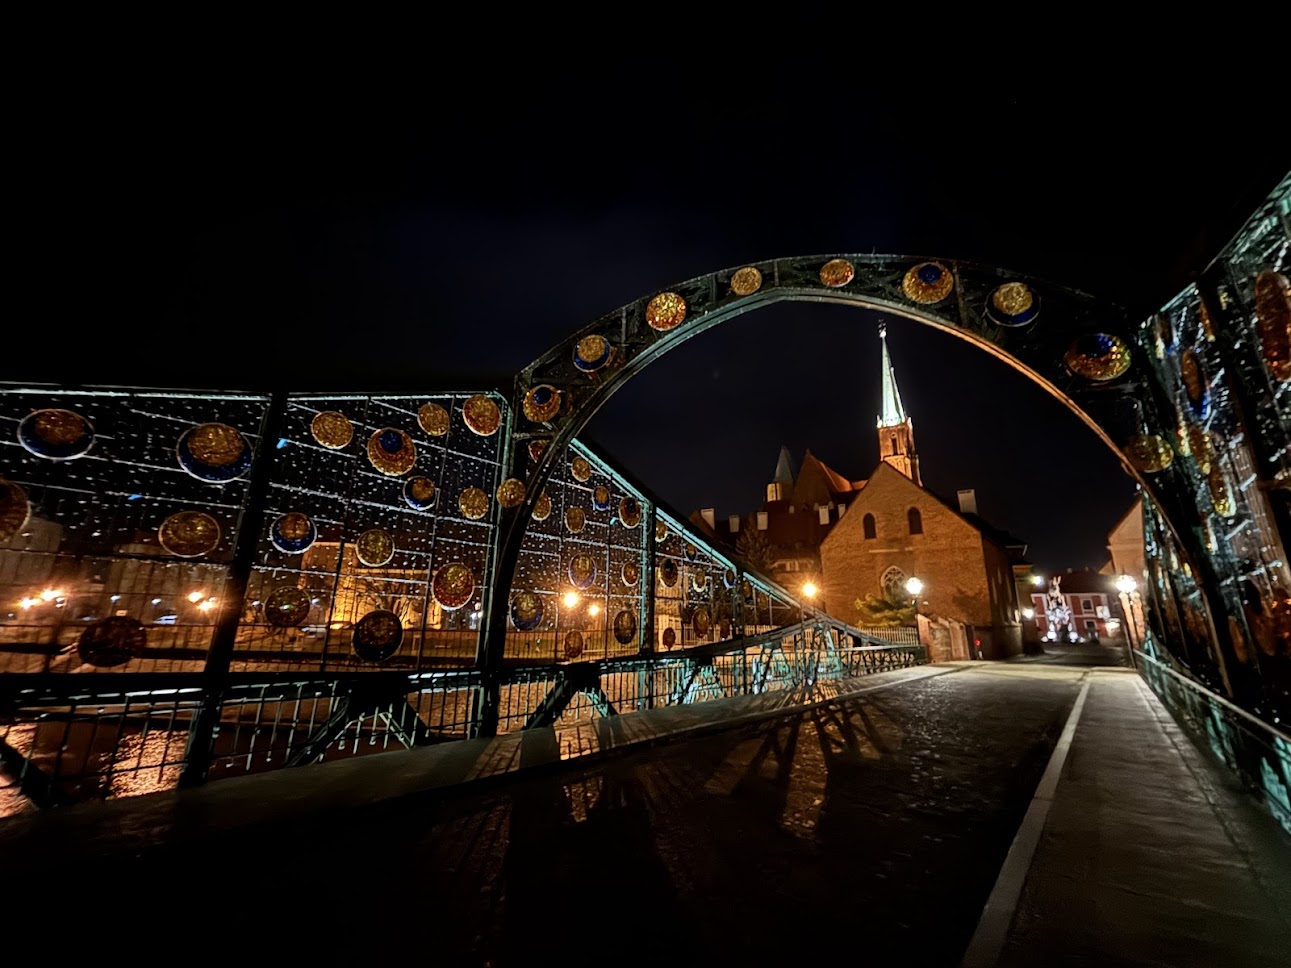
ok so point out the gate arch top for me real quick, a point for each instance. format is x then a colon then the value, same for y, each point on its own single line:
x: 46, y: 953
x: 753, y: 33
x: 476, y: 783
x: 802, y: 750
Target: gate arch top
x: 1042, y: 330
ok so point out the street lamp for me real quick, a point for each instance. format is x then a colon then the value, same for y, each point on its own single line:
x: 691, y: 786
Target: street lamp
x: 913, y: 587
x: 1129, y: 589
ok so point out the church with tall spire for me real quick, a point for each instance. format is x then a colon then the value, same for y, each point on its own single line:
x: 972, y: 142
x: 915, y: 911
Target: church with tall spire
x: 859, y: 540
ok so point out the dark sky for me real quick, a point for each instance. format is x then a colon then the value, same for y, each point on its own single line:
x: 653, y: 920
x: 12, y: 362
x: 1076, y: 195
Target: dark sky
x: 210, y: 229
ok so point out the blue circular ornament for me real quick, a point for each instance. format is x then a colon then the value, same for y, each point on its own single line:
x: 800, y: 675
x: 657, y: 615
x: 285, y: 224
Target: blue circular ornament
x: 419, y: 493
x: 292, y: 533
x: 1013, y: 304
x: 526, y: 611
x: 592, y: 353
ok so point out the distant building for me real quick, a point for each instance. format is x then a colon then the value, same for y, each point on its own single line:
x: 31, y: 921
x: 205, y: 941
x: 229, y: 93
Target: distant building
x: 853, y: 538
x: 1090, y: 596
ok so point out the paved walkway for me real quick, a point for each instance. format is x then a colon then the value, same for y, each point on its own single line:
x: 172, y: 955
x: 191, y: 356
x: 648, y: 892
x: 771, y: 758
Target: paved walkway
x: 1137, y: 850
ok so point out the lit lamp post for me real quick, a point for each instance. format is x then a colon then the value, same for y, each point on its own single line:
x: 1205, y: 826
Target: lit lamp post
x: 914, y: 587
x: 1129, y: 589
x: 809, y: 592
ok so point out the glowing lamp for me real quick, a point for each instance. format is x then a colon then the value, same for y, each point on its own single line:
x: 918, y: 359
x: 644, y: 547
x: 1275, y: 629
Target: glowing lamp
x: 913, y: 586
x: 593, y: 610
x: 570, y: 599
x: 1126, y: 584
x: 194, y: 597
x: 809, y: 590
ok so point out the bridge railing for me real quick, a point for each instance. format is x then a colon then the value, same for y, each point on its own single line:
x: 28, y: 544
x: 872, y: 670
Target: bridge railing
x: 1258, y: 753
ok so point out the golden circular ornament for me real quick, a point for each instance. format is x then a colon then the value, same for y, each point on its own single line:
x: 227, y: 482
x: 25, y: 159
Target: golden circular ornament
x: 699, y: 581
x: 214, y: 452
x: 746, y: 281
x: 625, y: 627
x: 575, y: 518
x: 1013, y: 304
x: 419, y: 493
x: 1221, y: 496
x: 630, y: 512
x: 927, y: 283
x: 665, y: 311
x: 601, y: 497
x: 374, y: 548
x: 581, y: 469
x: 630, y: 573
x: 542, y: 507
x: 660, y: 532
x: 1199, y: 444
x: 582, y: 571
x: 377, y: 635
x: 1098, y: 357
x: 287, y: 607
x: 112, y: 641
x: 473, y: 503
x: 15, y: 509
x: 1207, y: 324
x: 702, y: 621
x: 592, y: 353
x: 1273, y: 322
x: 332, y: 429
x: 293, y: 533
x: 55, y: 434
x: 573, y: 644
x: 837, y: 272
x: 669, y: 637
x: 541, y: 403
x: 433, y: 419
x: 527, y: 611
x: 511, y: 492
x: 391, y: 451
x: 668, y: 572
x: 189, y: 534
x: 536, y: 449
x: 482, y: 415
x: 1149, y: 453
x: 453, y: 586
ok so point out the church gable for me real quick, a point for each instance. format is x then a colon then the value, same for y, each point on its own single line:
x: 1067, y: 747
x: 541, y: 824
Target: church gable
x: 887, y: 499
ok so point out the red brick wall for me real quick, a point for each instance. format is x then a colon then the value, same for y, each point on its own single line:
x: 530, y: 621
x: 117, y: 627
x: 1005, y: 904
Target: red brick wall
x: 948, y: 556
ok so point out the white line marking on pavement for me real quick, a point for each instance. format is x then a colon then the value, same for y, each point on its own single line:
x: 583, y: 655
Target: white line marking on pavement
x: 993, y: 927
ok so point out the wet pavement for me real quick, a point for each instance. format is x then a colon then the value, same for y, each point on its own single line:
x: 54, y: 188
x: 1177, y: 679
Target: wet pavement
x: 881, y: 827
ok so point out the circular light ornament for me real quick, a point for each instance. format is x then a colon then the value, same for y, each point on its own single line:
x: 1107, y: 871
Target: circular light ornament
x: 592, y: 353
x: 1273, y: 322
x: 391, y: 452
x: 374, y: 548
x: 573, y: 644
x: 473, y: 503
x: 15, y: 509
x: 665, y: 311
x: 581, y: 469
x: 331, y: 429
x: 112, y: 641
x: 630, y: 573
x: 1098, y: 356
x: 189, y: 534
x: 482, y: 415
x: 668, y: 572
x: 660, y: 532
x: 669, y: 637
x: 55, y: 434
x: 542, y: 507
x: 630, y: 512
x: 1149, y: 453
x: 728, y: 578
x: 690, y: 551
x: 292, y: 533
x: 837, y: 272
x: 419, y: 493
x: 453, y: 586
x: 625, y: 627
x: 377, y: 635
x: 601, y: 497
x: 214, y: 452
x: 527, y: 611
x: 699, y: 582
x: 746, y: 281
x: 536, y: 449
x: 287, y: 607
x: 927, y: 283
x: 702, y: 621
x: 575, y: 519
x: 541, y: 403
x: 582, y: 571
x: 511, y: 492
x: 1012, y: 305
x: 433, y: 419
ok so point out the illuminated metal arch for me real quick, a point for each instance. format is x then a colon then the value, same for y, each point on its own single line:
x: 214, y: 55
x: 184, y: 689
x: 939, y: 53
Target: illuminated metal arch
x: 1029, y: 324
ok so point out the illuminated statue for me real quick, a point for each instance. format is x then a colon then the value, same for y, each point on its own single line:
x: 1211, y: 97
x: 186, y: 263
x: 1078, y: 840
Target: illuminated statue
x: 1057, y: 612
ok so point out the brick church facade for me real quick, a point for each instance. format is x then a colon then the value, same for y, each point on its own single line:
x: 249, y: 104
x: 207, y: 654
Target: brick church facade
x: 856, y: 538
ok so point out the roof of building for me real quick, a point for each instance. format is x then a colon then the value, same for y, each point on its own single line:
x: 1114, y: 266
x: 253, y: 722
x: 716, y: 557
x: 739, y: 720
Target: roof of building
x: 893, y: 414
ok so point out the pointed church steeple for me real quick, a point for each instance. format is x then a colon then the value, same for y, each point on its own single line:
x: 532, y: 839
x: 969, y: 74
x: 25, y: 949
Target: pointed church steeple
x: 781, y: 486
x: 896, y: 429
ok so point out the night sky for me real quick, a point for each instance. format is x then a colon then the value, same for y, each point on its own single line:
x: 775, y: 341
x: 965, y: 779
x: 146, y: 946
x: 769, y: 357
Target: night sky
x: 205, y: 230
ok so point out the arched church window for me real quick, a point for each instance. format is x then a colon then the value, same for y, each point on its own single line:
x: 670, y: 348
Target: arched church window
x: 867, y: 525
x: 916, y: 521
x: 892, y: 584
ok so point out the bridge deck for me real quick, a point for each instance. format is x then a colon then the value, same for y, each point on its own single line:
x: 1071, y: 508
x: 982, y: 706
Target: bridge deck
x: 1138, y: 848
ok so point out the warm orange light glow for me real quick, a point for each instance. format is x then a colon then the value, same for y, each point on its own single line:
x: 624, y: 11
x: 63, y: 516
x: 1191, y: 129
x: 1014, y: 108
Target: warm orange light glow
x: 207, y: 605
x: 593, y: 610
x: 195, y: 597
x: 570, y: 599
x: 809, y: 590
x: 29, y: 602
x: 49, y: 593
